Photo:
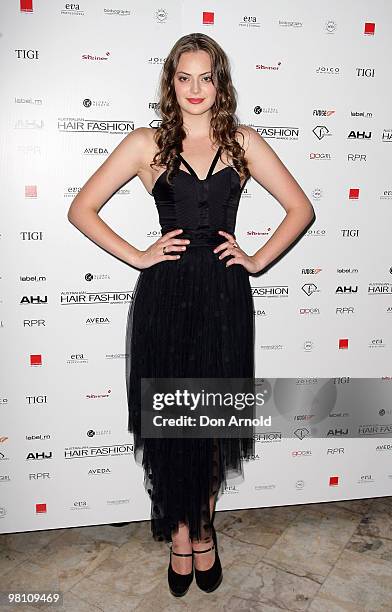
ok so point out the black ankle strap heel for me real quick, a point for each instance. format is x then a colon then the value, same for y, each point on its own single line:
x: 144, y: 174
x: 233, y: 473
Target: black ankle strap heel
x: 209, y: 580
x: 179, y: 583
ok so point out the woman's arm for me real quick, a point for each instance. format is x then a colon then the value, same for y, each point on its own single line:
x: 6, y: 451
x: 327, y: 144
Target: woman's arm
x: 121, y: 165
x: 268, y: 170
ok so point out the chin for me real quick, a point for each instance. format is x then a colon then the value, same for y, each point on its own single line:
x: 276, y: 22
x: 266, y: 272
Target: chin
x: 197, y: 107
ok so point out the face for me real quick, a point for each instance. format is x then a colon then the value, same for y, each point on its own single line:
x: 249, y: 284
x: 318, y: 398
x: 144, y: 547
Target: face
x: 193, y: 82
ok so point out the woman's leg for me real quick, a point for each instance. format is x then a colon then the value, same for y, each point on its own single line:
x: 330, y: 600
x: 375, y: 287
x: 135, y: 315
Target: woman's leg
x: 205, y: 561
x: 181, y: 544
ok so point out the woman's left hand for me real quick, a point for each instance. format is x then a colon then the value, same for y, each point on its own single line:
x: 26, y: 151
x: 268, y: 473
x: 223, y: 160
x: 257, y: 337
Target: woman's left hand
x: 238, y: 255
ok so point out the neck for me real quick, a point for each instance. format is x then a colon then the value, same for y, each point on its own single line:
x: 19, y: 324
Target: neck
x: 197, y: 127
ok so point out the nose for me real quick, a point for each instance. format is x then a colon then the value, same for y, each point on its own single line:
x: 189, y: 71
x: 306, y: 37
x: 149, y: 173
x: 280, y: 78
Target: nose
x: 195, y: 87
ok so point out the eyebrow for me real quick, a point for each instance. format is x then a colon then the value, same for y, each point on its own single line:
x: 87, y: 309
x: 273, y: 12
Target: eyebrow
x: 187, y: 73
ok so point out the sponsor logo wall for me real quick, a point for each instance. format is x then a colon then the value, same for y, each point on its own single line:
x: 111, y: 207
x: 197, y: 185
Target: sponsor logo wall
x: 77, y: 77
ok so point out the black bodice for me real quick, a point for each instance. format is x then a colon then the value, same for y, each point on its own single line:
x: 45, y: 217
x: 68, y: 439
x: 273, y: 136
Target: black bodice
x: 200, y: 206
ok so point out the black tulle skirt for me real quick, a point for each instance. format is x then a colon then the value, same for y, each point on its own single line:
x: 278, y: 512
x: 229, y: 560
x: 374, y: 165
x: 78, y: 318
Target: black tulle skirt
x: 191, y: 317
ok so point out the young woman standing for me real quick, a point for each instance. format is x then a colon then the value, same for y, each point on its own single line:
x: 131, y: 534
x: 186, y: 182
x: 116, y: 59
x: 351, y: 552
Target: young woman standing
x: 192, y: 311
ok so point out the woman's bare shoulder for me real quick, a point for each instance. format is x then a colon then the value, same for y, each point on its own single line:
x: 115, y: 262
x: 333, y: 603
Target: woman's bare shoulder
x: 146, y: 135
x: 142, y: 135
x: 243, y: 135
x: 140, y: 142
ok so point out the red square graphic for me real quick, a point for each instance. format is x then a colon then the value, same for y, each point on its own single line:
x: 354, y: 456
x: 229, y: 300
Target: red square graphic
x: 354, y: 193
x: 26, y: 5
x: 35, y: 359
x: 208, y: 17
x: 370, y: 28
x: 30, y: 191
x: 333, y: 481
x: 343, y: 343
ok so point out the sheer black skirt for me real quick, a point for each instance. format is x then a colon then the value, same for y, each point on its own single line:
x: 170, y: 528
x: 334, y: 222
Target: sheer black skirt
x: 191, y: 317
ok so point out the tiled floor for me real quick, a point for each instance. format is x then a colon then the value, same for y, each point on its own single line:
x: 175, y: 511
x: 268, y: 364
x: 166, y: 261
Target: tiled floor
x: 331, y: 557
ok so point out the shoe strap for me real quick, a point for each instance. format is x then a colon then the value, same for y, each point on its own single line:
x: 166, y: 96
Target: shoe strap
x: 204, y: 551
x: 180, y: 554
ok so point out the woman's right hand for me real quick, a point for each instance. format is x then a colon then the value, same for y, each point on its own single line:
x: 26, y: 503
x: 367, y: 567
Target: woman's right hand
x: 154, y: 253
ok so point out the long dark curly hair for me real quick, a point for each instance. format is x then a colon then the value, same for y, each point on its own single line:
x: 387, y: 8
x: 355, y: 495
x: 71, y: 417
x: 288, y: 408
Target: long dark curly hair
x: 224, y: 121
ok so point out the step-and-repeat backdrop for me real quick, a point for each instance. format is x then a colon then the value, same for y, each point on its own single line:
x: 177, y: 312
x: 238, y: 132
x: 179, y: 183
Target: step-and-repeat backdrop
x: 313, y: 80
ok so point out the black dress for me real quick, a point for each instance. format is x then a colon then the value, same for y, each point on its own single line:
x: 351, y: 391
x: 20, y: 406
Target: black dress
x: 190, y: 317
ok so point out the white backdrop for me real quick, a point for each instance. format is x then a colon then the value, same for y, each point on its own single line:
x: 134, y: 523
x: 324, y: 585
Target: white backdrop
x: 313, y: 79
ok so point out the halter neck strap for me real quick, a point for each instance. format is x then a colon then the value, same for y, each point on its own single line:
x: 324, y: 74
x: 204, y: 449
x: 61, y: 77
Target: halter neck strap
x: 210, y: 171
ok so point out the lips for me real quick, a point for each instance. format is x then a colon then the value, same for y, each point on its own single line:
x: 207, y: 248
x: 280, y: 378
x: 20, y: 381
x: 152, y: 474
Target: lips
x: 195, y: 100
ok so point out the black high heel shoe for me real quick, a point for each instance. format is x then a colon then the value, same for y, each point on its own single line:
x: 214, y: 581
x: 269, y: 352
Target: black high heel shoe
x: 209, y: 580
x: 179, y: 583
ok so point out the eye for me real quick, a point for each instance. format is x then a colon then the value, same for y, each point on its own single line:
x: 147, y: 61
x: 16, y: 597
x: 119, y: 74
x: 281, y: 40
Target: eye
x: 209, y: 78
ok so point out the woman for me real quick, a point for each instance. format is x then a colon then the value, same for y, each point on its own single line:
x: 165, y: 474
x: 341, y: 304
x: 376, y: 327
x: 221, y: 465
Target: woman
x: 192, y: 309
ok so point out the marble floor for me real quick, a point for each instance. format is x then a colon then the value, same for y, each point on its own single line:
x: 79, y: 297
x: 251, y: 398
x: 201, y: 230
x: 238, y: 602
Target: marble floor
x: 327, y: 557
